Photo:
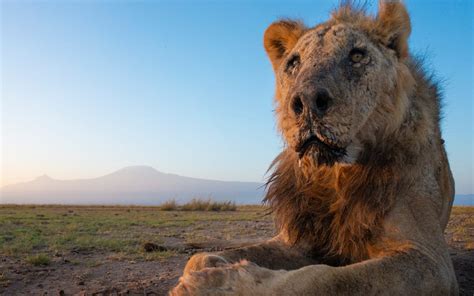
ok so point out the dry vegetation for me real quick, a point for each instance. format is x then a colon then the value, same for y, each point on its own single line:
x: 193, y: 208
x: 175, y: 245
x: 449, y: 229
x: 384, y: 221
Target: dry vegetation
x: 199, y: 205
x: 47, y: 230
x: 460, y: 231
x: 103, y: 248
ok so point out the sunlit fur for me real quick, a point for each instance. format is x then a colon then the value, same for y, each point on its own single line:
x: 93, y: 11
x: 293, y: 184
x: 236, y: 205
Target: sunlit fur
x: 339, y: 209
x: 374, y: 218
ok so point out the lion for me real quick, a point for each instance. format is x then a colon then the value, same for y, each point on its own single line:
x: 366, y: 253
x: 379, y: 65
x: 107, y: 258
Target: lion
x: 362, y: 191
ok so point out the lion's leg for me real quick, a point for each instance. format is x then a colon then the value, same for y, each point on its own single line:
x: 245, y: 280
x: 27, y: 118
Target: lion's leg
x: 272, y: 254
x: 409, y: 272
x: 417, y: 263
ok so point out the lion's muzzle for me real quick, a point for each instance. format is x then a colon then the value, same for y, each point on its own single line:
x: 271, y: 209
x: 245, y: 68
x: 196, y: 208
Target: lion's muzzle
x: 323, y: 153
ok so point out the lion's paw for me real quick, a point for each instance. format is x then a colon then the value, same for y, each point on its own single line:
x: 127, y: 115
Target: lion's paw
x: 204, y: 260
x: 242, y: 278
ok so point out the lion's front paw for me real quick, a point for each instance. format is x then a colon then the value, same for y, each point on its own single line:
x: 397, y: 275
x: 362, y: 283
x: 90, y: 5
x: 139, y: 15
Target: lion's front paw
x: 208, y: 281
x: 242, y: 278
x: 204, y: 260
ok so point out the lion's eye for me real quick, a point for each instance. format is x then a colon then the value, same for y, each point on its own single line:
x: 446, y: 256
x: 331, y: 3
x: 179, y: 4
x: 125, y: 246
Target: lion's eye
x: 356, y: 55
x: 292, y: 64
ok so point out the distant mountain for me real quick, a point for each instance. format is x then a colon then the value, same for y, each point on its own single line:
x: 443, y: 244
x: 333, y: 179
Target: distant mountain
x: 140, y: 185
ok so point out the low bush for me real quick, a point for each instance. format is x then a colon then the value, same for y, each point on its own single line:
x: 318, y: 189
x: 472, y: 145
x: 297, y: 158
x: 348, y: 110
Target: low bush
x: 169, y: 205
x: 199, y: 205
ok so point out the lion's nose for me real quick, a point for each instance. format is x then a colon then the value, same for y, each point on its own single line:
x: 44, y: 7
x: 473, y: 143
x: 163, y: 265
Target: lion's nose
x: 317, y: 101
x: 321, y: 102
x: 297, y: 106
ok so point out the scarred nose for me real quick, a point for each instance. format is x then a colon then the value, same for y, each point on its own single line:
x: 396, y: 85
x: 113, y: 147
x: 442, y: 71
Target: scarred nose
x: 318, y: 102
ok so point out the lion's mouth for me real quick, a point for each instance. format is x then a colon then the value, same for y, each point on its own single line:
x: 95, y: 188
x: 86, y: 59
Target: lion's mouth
x: 326, y: 153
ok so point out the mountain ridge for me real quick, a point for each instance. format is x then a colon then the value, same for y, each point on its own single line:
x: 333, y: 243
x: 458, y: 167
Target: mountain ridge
x: 141, y: 185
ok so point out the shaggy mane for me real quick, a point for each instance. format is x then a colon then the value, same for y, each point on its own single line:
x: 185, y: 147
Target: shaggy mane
x: 338, y: 210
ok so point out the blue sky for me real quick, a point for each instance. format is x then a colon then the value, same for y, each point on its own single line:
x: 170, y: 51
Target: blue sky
x: 91, y: 86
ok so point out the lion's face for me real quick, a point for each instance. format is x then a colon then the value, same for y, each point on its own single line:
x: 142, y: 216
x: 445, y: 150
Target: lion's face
x: 332, y: 81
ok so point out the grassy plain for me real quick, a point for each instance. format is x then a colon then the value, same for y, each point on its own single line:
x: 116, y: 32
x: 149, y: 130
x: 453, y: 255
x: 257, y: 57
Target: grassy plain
x: 100, y: 249
x: 50, y: 230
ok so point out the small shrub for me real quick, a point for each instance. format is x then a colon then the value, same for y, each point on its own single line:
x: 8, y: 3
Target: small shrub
x: 196, y: 205
x: 208, y: 205
x: 169, y: 205
x: 39, y: 260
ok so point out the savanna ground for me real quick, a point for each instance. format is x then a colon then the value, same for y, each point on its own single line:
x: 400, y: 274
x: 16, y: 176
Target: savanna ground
x: 111, y: 250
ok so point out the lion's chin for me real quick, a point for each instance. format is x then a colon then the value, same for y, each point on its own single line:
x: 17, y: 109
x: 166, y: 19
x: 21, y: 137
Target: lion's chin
x: 316, y: 150
x: 322, y: 156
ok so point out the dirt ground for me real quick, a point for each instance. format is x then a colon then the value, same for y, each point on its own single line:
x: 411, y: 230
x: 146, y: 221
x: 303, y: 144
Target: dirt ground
x: 90, y: 272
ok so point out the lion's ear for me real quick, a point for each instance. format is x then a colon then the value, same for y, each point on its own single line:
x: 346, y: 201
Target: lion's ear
x: 280, y: 37
x: 393, y: 26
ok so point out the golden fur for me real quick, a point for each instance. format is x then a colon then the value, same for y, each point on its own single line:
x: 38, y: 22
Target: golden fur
x: 361, y: 210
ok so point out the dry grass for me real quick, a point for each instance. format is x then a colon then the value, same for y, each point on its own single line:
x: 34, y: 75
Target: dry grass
x: 199, y: 205
x: 208, y: 205
x: 170, y: 205
x: 460, y: 230
x: 28, y: 230
x: 38, y: 260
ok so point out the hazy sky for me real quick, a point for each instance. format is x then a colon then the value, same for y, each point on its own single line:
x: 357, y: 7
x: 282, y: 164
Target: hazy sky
x: 89, y: 87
